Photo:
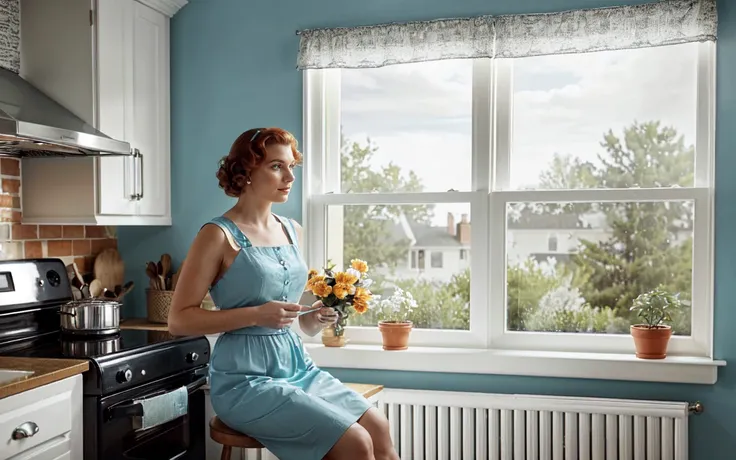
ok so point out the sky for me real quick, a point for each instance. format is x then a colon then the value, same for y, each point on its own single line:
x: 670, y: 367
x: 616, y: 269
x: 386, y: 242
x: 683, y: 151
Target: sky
x: 419, y: 115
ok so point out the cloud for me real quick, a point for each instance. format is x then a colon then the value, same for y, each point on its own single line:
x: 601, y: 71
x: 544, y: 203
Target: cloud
x: 431, y: 96
x: 419, y: 115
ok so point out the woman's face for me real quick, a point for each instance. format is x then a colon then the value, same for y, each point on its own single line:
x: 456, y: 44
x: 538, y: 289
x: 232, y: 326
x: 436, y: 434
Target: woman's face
x: 273, y: 178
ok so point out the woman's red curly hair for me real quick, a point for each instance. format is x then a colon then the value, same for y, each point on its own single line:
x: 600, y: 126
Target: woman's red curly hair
x: 247, y: 153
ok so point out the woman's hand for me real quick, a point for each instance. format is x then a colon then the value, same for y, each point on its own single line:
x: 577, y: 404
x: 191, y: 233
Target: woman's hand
x: 320, y: 318
x: 323, y: 315
x: 276, y: 315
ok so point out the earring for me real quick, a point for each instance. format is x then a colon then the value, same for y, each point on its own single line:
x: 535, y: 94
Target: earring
x: 248, y: 181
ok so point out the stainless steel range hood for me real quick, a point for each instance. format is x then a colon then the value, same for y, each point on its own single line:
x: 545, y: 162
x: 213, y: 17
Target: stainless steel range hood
x: 34, y: 125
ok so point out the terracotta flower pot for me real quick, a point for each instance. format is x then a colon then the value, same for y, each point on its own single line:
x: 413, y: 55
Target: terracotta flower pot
x: 395, y: 335
x: 330, y: 339
x: 651, y: 343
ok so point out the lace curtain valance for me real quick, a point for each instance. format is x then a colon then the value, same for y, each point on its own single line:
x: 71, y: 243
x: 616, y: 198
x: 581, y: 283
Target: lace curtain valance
x: 652, y: 24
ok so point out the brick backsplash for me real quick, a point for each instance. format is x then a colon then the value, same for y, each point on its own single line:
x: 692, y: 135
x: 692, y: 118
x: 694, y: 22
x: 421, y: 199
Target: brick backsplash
x: 70, y: 243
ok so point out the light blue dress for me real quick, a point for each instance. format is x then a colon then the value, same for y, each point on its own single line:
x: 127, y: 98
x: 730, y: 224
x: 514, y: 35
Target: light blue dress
x: 262, y: 381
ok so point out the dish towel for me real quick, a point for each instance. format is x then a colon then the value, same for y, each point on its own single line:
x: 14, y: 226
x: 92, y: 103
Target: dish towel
x: 163, y: 408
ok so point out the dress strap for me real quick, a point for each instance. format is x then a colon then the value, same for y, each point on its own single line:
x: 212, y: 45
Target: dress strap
x: 290, y: 230
x: 231, y: 229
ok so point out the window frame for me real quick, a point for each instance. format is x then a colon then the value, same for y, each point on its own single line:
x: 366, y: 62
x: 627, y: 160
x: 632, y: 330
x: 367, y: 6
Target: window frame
x: 492, y: 110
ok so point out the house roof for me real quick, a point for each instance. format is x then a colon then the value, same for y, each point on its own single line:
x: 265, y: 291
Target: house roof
x: 427, y: 235
x: 424, y: 235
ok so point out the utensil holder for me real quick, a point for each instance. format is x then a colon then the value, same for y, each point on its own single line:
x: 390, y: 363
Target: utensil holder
x: 158, y: 303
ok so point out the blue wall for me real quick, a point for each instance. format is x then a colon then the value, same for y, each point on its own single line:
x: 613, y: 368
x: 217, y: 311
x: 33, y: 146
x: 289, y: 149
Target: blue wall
x: 233, y: 68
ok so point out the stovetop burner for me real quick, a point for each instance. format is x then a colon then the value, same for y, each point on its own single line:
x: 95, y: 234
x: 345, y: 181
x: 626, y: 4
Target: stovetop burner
x: 61, y: 345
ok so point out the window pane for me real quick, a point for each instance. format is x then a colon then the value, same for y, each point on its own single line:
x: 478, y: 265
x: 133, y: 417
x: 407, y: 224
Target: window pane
x: 613, y: 119
x: 607, y: 254
x: 401, y: 123
x: 400, y: 244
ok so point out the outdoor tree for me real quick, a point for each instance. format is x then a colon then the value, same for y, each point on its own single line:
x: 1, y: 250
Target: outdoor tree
x: 649, y: 243
x: 368, y: 230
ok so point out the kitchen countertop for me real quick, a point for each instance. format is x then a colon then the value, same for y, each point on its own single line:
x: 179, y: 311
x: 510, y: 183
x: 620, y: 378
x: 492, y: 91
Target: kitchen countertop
x: 143, y: 324
x: 44, y: 370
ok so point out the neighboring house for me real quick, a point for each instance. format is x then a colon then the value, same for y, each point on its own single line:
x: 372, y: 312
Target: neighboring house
x: 438, y: 252
x: 557, y: 236
x: 435, y: 253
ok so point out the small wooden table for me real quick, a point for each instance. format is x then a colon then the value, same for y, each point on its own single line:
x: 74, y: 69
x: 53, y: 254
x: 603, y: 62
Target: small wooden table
x: 229, y: 438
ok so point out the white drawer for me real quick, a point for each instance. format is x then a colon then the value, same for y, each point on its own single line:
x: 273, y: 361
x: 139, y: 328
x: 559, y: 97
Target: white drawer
x: 49, y: 407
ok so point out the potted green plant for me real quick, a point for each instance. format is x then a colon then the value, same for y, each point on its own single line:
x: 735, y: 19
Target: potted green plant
x: 394, y: 313
x: 652, y: 337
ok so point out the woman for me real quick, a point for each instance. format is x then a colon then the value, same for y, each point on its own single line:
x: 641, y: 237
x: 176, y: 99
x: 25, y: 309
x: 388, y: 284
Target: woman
x: 263, y: 382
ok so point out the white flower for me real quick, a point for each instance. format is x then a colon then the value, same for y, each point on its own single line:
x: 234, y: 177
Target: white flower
x: 353, y: 272
x: 367, y: 283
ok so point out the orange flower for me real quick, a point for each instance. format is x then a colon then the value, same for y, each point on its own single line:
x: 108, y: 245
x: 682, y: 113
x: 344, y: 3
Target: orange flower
x: 314, y: 280
x: 341, y: 290
x: 363, y: 295
x: 312, y: 273
x: 360, y: 265
x: 345, y: 278
x: 360, y: 305
x: 360, y: 300
x: 321, y: 289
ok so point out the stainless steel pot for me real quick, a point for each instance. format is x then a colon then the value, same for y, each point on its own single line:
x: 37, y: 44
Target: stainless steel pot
x: 90, y: 317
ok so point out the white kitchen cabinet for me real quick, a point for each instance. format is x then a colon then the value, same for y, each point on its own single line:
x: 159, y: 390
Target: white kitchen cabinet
x: 51, y: 414
x: 108, y: 62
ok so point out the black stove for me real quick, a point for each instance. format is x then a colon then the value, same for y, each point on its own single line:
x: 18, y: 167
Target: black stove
x: 125, y: 367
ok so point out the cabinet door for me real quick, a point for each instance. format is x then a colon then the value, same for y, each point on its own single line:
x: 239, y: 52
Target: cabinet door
x: 117, y: 176
x: 151, y: 108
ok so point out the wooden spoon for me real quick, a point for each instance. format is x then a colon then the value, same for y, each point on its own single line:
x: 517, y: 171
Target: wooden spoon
x: 95, y: 288
x: 166, y: 264
x: 125, y: 289
x: 152, y: 272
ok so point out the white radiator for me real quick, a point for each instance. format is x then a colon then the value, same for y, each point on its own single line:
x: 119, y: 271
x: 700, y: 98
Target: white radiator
x: 438, y: 425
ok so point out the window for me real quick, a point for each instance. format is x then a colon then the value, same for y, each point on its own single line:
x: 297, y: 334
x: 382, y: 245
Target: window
x: 436, y: 259
x: 611, y: 150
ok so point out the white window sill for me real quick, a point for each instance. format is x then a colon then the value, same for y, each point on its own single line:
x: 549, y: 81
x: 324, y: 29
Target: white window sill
x: 673, y: 369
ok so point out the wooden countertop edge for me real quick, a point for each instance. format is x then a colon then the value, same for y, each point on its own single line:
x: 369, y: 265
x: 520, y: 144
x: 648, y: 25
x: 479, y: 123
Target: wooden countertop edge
x: 365, y: 389
x: 143, y: 324
x: 44, y: 370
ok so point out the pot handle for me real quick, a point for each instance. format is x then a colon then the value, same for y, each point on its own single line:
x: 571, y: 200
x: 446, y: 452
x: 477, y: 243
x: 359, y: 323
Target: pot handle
x: 67, y: 313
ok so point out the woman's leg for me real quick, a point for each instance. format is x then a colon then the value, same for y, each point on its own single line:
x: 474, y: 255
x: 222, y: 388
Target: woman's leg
x: 377, y: 426
x: 355, y: 444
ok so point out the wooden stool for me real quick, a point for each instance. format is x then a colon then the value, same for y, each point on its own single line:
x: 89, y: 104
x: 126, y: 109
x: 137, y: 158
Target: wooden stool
x: 229, y: 438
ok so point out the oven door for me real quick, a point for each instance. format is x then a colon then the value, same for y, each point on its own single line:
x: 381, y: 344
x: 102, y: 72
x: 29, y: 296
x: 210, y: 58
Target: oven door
x: 182, y: 437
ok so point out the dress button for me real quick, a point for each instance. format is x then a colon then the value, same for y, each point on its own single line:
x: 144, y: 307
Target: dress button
x: 286, y: 282
x: 282, y: 262
x: 283, y: 298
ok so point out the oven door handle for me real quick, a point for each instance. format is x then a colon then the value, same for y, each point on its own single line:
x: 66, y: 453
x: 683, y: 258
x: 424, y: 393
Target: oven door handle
x: 136, y: 409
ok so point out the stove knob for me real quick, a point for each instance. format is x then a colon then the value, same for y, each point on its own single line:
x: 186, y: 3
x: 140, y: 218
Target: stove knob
x: 124, y: 376
x: 192, y: 357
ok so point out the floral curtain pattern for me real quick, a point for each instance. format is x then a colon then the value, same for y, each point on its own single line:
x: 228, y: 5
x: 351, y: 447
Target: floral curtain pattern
x: 660, y: 23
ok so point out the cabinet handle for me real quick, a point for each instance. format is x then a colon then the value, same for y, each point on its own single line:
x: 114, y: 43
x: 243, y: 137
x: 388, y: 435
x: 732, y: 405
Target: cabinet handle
x: 140, y: 158
x: 134, y: 195
x: 25, y: 430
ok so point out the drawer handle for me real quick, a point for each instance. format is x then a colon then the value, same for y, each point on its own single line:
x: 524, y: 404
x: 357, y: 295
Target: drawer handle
x: 25, y: 430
